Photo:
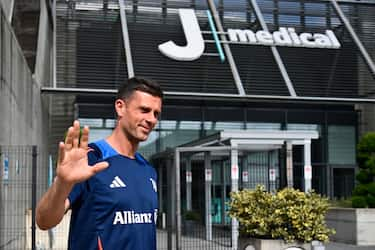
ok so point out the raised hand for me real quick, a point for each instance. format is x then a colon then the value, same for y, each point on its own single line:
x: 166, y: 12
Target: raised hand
x: 72, y: 165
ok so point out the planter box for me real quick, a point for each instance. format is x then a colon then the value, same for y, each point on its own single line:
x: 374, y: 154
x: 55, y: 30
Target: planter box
x: 189, y: 227
x: 263, y: 244
x: 353, y: 225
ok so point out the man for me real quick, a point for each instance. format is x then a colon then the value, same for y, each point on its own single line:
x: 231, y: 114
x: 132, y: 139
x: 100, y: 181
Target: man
x: 110, y: 188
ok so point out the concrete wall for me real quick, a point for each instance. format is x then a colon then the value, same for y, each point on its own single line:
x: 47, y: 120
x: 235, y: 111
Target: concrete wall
x: 24, y: 113
x: 24, y: 121
x: 353, y: 226
x: 44, y: 55
x: 7, y: 6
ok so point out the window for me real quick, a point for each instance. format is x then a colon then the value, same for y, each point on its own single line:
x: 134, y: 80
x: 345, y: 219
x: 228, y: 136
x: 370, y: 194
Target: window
x: 341, y: 144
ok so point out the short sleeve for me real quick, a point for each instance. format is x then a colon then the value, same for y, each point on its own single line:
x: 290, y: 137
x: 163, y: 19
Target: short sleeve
x: 76, y: 193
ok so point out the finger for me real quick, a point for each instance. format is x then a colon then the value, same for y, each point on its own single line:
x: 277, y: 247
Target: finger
x: 84, y: 137
x: 61, y: 153
x: 69, y: 139
x: 76, y: 134
x: 99, y: 167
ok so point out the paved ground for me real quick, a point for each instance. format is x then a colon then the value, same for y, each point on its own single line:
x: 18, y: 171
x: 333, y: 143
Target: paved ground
x: 197, y: 243
x: 340, y: 246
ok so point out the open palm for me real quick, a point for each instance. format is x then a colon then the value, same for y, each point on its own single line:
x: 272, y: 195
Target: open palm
x: 72, y: 166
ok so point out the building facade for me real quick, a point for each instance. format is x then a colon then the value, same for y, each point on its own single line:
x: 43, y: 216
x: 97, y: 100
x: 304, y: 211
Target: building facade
x: 269, y: 65
x: 257, y: 65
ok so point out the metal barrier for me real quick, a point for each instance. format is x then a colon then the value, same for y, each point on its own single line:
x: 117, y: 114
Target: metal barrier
x: 17, y: 195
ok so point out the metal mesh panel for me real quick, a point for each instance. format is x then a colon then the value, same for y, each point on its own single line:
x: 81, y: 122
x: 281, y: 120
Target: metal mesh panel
x: 323, y: 73
x: 16, y: 170
x: 89, y: 48
x: 257, y: 68
x: 16, y: 195
x: 91, y: 55
x: 362, y: 19
x: 313, y: 72
x: 194, y: 232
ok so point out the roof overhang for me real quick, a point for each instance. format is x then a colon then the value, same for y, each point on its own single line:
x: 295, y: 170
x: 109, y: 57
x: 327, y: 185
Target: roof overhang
x: 244, y: 140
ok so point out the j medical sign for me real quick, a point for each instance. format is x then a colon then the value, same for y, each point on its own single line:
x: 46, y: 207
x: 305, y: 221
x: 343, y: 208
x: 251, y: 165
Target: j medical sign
x: 283, y: 37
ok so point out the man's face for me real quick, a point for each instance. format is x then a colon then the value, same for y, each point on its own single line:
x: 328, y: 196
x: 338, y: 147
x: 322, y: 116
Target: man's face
x: 138, y: 115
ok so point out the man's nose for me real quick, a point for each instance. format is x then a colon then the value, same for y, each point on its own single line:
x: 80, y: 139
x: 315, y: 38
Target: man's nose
x: 151, y: 118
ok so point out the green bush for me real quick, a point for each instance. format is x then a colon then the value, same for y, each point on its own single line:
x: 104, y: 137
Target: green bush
x: 370, y: 199
x: 364, y: 176
x: 364, y: 192
x: 360, y: 190
x: 289, y: 214
x: 191, y: 215
x: 359, y: 201
x: 371, y: 188
x: 341, y: 203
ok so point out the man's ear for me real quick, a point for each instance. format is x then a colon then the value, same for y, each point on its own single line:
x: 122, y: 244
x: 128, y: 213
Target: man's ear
x: 120, y: 107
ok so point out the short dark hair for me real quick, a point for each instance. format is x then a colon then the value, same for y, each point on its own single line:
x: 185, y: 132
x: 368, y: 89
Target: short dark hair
x: 140, y: 84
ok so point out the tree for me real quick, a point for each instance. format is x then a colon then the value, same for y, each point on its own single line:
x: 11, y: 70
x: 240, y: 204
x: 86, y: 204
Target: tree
x: 364, y: 192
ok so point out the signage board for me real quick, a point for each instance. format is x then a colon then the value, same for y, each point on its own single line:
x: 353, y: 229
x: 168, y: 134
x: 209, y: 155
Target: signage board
x: 245, y: 176
x: 308, y: 172
x: 189, y: 178
x: 272, y: 172
x: 6, y: 169
x: 208, y: 174
x: 284, y: 36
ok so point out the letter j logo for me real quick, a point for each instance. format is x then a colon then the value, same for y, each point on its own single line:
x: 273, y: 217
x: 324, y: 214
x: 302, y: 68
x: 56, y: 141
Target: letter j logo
x: 194, y: 41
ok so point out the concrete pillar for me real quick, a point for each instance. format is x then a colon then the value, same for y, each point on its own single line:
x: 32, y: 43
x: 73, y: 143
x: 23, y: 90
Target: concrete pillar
x: 178, y: 198
x: 160, y: 195
x: 208, y: 181
x: 189, y: 179
x: 234, y: 187
x: 307, y: 173
x: 223, y: 192
x: 289, y: 163
x: 171, y: 202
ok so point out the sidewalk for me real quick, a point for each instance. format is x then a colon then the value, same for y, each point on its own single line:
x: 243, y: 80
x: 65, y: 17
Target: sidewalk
x: 342, y: 246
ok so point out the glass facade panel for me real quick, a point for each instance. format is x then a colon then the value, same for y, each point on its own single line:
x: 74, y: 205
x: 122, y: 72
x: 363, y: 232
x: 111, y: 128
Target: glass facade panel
x: 110, y: 123
x: 217, y: 172
x: 98, y: 134
x: 149, y: 147
x: 173, y: 133
x: 229, y: 125
x: 308, y: 127
x: 263, y: 126
x: 341, y: 144
x: 214, y: 127
x: 98, y: 123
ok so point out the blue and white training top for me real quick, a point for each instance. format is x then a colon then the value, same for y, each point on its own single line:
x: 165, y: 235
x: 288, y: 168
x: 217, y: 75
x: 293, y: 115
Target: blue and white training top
x: 116, y: 208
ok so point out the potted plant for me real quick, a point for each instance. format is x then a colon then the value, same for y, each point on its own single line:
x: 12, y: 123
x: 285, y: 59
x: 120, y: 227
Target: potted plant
x: 191, y: 218
x: 283, y: 219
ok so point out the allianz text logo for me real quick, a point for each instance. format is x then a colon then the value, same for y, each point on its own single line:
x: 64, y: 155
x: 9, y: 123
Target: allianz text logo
x: 195, y: 46
x: 131, y: 217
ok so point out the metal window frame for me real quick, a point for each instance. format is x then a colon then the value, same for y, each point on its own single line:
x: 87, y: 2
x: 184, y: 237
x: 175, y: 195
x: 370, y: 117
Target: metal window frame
x: 125, y: 37
x: 215, y: 96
